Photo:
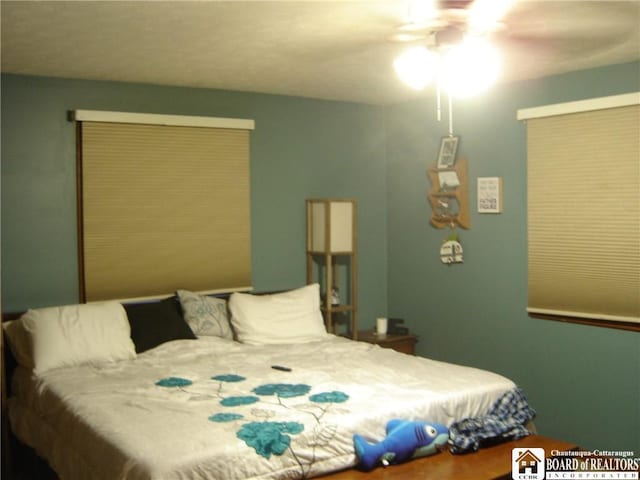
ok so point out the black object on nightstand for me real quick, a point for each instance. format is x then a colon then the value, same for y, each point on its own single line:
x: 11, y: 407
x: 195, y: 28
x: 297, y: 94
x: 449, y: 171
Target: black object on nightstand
x: 395, y: 327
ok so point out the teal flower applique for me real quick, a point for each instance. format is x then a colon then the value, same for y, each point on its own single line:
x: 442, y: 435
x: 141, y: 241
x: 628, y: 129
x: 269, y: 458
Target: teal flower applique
x: 229, y: 378
x: 173, y: 382
x: 268, y: 438
x: 235, y: 401
x: 284, y: 390
x: 329, y: 397
x: 225, y: 417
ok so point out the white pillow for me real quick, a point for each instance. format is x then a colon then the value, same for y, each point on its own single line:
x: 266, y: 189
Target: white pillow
x: 289, y: 317
x: 205, y: 315
x: 77, y: 334
x: 19, y: 343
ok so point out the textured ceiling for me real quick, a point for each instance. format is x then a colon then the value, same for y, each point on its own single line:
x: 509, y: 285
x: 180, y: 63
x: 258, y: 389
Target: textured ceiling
x: 337, y: 50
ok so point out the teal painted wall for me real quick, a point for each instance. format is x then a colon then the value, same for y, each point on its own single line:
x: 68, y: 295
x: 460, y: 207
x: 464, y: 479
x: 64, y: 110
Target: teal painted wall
x: 584, y: 381
x: 300, y: 148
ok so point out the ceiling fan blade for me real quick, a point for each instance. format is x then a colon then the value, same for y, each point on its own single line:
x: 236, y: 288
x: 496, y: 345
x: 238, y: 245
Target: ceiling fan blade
x: 485, y: 15
x: 569, y: 20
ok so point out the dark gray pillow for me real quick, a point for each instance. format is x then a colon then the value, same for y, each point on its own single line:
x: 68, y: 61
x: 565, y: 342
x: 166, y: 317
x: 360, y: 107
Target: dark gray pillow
x: 155, y: 323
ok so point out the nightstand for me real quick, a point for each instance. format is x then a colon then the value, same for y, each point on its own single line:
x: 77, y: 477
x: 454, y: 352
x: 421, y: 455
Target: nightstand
x: 399, y: 343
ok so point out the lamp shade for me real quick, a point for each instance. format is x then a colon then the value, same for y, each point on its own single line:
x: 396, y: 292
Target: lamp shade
x: 330, y: 225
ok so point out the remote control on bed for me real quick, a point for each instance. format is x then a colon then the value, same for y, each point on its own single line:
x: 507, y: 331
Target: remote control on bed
x: 281, y: 368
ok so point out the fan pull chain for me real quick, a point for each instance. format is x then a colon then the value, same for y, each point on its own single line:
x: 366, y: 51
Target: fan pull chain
x: 438, y: 105
x: 450, y: 116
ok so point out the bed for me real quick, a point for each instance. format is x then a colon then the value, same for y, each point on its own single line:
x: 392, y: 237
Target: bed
x: 212, y: 406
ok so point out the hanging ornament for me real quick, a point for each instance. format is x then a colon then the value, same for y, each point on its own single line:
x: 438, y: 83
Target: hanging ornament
x: 451, y: 250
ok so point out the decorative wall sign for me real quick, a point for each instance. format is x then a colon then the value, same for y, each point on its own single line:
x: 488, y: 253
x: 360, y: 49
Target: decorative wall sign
x: 489, y: 194
x: 451, y: 252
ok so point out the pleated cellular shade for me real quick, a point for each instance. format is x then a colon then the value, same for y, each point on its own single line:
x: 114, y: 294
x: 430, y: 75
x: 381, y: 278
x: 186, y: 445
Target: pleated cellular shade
x: 163, y: 208
x: 584, y: 214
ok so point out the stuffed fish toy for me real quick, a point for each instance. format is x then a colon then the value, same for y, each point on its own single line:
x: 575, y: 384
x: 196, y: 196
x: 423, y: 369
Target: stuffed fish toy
x: 404, y: 440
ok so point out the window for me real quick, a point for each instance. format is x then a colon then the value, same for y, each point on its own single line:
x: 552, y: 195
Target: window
x: 584, y: 210
x: 163, y: 203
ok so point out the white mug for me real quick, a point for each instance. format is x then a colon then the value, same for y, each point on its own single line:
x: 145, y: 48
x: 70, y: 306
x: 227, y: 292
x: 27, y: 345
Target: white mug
x: 381, y: 326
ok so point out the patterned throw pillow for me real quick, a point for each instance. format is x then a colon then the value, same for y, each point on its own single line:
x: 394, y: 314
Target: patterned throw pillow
x: 207, y: 316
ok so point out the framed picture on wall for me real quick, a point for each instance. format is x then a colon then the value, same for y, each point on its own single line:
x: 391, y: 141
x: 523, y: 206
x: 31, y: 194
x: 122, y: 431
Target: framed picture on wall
x: 448, y: 150
x: 489, y: 194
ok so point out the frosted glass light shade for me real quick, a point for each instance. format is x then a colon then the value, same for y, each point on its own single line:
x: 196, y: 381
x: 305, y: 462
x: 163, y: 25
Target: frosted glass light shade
x: 330, y: 226
x: 471, y: 67
x: 416, y: 67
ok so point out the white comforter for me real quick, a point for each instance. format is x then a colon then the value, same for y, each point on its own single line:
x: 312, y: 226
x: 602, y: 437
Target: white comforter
x: 116, y: 422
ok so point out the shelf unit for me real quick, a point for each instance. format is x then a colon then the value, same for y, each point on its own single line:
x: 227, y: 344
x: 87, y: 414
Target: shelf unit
x: 332, y: 249
x: 443, y: 217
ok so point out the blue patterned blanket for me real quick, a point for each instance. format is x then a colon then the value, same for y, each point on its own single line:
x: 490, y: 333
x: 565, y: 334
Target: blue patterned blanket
x: 505, y: 420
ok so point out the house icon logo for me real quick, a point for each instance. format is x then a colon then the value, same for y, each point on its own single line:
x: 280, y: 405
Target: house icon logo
x: 527, y: 464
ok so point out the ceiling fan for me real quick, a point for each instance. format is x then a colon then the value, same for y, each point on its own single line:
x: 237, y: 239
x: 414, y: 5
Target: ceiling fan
x: 451, y: 44
x: 450, y: 41
x: 541, y: 33
x: 446, y: 21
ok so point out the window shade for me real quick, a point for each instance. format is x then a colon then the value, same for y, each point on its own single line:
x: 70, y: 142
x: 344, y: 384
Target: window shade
x: 584, y: 214
x: 162, y: 208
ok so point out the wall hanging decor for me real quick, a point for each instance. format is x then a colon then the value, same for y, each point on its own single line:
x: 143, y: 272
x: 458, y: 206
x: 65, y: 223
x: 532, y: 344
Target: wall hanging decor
x: 451, y: 250
x: 449, y: 196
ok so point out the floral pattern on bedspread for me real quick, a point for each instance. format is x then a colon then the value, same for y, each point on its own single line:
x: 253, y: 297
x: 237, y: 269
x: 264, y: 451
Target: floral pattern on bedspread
x: 269, y: 437
x: 215, y: 409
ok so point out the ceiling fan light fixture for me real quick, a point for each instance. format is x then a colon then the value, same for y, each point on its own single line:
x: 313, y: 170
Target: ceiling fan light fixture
x: 470, y: 68
x: 416, y: 67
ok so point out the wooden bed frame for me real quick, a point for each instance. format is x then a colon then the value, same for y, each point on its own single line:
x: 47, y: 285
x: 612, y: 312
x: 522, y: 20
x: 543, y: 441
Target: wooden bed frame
x: 486, y: 464
x: 21, y: 462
